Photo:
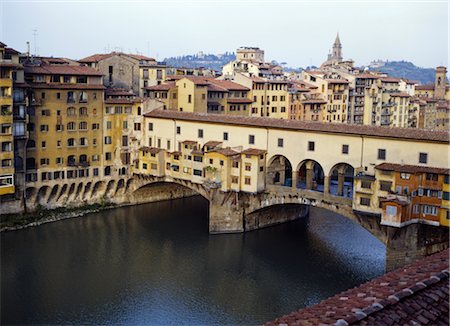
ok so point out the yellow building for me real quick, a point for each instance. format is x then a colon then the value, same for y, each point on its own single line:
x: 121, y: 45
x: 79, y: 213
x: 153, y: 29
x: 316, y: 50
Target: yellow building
x: 7, y: 65
x: 66, y: 118
x: 444, y: 212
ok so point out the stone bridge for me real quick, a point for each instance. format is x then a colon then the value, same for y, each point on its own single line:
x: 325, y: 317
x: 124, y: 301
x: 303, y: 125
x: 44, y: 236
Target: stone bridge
x: 231, y: 212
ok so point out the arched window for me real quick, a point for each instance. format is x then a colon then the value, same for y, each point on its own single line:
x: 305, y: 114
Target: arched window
x: 83, y: 141
x: 71, y: 112
x: 31, y: 163
x: 71, y: 126
x: 439, y: 81
x: 83, y: 158
x: 70, y: 142
x: 71, y: 160
x: 31, y: 144
x: 107, y: 170
x: 139, y: 110
x: 82, y: 125
x: 83, y: 111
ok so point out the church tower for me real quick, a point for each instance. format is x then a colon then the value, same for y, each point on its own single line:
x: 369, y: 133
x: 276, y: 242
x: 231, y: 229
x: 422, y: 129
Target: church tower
x: 337, y: 49
x: 439, y: 83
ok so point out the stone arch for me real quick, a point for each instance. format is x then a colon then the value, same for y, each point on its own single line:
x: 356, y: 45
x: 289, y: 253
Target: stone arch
x: 30, y: 192
x: 97, y: 189
x: 279, y: 171
x: 53, y: 193
x: 310, y: 175
x: 41, y: 195
x: 62, y: 192
x: 120, y: 185
x: 129, y: 185
x: 86, y: 190
x: 71, y: 190
x: 341, y: 179
x: 109, y: 187
x: 79, y: 190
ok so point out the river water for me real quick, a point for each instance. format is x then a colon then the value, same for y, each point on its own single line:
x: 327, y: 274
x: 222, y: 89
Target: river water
x: 157, y: 264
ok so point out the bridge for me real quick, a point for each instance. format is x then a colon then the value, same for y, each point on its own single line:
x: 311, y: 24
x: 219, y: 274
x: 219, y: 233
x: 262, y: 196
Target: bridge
x: 246, y: 166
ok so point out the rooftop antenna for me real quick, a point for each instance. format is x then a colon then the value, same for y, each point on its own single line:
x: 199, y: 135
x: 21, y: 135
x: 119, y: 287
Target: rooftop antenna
x: 34, y: 36
x: 28, y: 49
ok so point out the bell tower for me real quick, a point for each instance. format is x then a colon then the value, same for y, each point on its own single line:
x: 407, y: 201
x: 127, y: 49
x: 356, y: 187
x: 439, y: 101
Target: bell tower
x: 439, y: 83
x: 337, y: 49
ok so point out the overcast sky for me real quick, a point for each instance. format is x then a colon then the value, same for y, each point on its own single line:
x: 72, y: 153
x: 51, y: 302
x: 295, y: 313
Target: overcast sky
x: 297, y: 32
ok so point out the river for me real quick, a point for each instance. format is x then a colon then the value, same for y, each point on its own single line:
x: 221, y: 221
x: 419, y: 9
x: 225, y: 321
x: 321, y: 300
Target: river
x: 157, y: 264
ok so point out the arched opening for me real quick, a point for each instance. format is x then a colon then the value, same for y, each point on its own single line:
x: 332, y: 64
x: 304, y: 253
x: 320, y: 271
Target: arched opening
x: 279, y: 171
x: 18, y: 163
x: 86, y: 190
x: 42, y: 194
x: 341, y: 180
x: 31, y: 163
x: 310, y: 176
x: 53, y: 193
x: 139, y: 110
x: 62, y: 192
x: 107, y: 170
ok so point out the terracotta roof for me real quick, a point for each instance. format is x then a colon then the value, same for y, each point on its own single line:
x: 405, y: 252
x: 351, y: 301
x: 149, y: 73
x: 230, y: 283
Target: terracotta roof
x: 196, y: 152
x: 151, y: 150
x: 229, y: 85
x: 416, y: 294
x: 400, y: 94
x: 65, y: 86
x: 120, y: 101
x: 166, y: 86
x: 61, y: 70
x: 253, y: 151
x: 190, y: 142
x: 212, y: 143
x: 425, y: 87
x: 2, y: 44
x: 11, y: 51
x: 337, y: 81
x: 389, y: 79
x: 99, y: 57
x: 225, y: 151
x: 313, y: 101
x: 358, y: 130
x: 367, y: 76
x: 239, y: 100
x: 395, y: 199
x: 411, y: 168
x: 174, y: 153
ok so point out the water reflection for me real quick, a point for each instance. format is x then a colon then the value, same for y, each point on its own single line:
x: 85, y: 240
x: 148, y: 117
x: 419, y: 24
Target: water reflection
x: 156, y: 264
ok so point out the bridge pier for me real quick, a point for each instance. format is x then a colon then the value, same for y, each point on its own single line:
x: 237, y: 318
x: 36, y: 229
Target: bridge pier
x: 226, y: 212
x: 413, y: 242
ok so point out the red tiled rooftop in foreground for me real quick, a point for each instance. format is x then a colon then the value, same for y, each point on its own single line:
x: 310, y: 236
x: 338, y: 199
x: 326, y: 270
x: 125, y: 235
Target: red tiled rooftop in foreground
x: 416, y: 294
x: 332, y: 128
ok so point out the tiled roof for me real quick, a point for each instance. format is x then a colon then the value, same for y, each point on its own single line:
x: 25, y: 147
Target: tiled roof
x: 61, y: 70
x: 337, y: 81
x: 166, y: 86
x: 429, y: 87
x: 253, y: 151
x: 411, y: 168
x: 65, y: 86
x: 225, y: 151
x: 213, y: 143
x: 189, y: 142
x: 239, y: 100
x: 416, y: 294
x: 229, y: 85
x: 99, y: 57
x: 390, y: 80
x: 359, y: 130
x: 367, y: 76
x: 313, y: 101
x: 400, y: 94
x: 121, y: 101
x: 151, y: 150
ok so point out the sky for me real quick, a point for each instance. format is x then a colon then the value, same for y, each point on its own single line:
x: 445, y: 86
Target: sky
x: 298, y: 32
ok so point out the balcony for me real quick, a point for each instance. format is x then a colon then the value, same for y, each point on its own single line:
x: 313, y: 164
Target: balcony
x: 71, y: 100
x: 37, y: 102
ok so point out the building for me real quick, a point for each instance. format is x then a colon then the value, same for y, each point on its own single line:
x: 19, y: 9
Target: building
x: 404, y: 194
x: 201, y: 94
x: 129, y: 71
x: 65, y: 123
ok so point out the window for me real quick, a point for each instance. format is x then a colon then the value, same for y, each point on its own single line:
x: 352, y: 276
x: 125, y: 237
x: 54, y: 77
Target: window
x: 189, y: 98
x: 71, y: 126
x: 235, y: 164
x: 366, y: 184
x: 248, y: 167
x: 108, y: 156
x: 83, y: 111
x: 432, y: 177
x: 429, y: 210
x: 200, y: 133
x: 168, y: 145
x: 234, y: 179
x: 71, y: 142
x: 198, y: 158
x: 280, y: 142
x: 344, y: 149
x: 82, y: 125
x: 124, y: 125
x: 83, y: 141
x: 150, y: 126
x: 137, y: 126
x: 385, y: 186
x: 446, y: 195
x: 59, y: 127
x: 311, y: 146
x: 225, y: 136
x: 125, y: 141
x: 211, y: 161
x: 178, y: 130
x: 198, y: 172
x: 251, y: 139
x: 381, y: 154
x: 144, y: 166
x: 108, y: 140
x: 221, y: 162
x: 44, y: 128
x: 364, y: 201
x: 247, y: 181
x: 423, y: 158
x: 95, y: 126
x: 416, y: 209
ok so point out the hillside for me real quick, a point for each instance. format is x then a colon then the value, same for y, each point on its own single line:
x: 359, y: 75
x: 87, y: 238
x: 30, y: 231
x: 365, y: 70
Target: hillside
x: 405, y: 69
x: 210, y: 61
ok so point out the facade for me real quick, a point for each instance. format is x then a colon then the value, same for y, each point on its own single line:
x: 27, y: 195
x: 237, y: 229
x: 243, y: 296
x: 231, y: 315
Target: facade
x: 404, y: 194
x: 65, y: 119
x: 129, y: 71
